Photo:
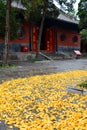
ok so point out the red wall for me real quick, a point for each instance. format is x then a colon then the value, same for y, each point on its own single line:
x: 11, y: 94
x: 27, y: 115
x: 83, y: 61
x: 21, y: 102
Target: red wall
x: 25, y: 39
x: 69, y: 36
x: 50, y: 38
x: 1, y: 40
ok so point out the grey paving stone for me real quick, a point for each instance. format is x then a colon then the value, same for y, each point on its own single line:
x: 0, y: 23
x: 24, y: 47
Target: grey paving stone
x: 4, y: 126
x: 75, y: 90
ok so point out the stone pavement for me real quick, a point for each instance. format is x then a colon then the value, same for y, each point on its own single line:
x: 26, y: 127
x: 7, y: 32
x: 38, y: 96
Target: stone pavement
x: 24, y: 69
x: 4, y: 126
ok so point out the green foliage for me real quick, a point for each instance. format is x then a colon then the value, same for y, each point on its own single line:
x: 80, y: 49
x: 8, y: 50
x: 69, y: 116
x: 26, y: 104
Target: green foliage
x: 14, y: 22
x: 84, y: 36
x: 84, y: 56
x: 83, y: 84
x: 67, y: 5
x: 82, y: 12
x: 8, y: 66
x: 35, y: 8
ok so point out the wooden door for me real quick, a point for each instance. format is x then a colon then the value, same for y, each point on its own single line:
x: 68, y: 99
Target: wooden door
x: 50, y: 40
x: 35, y: 33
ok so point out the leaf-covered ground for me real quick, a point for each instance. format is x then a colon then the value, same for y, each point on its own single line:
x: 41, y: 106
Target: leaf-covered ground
x: 42, y: 103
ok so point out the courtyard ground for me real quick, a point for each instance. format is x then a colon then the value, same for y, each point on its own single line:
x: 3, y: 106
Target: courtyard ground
x: 39, y: 100
x: 24, y: 69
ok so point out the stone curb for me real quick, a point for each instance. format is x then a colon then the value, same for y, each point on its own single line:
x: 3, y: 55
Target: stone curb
x: 75, y: 90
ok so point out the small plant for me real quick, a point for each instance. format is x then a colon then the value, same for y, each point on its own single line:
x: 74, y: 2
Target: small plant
x: 84, y: 56
x: 83, y: 84
x: 8, y: 66
x: 33, y: 59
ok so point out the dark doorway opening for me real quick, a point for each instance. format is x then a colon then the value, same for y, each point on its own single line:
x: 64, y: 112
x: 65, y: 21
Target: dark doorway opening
x: 43, y: 40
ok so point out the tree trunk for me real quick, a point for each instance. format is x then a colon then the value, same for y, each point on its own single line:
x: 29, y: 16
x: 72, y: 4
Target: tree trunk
x: 7, y: 32
x: 40, y: 33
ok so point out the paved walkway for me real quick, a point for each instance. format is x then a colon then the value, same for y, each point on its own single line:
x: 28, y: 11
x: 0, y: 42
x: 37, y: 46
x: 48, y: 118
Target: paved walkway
x: 25, y: 69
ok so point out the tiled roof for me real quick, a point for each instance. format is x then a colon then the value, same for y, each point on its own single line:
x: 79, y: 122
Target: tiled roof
x: 64, y: 17
x: 17, y: 5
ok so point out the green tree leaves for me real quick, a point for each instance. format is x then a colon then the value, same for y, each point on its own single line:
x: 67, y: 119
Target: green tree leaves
x: 14, y: 21
x: 82, y: 12
x: 84, y: 36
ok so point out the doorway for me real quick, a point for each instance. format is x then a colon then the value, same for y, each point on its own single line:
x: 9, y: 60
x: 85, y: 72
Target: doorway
x: 43, y: 40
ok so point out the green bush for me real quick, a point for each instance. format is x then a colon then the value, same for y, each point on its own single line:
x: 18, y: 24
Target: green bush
x: 83, y: 84
x: 8, y: 66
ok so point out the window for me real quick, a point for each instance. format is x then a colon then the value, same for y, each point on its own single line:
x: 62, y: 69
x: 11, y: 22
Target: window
x: 75, y: 39
x: 63, y: 37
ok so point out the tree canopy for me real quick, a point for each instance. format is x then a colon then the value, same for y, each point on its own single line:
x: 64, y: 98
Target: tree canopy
x: 14, y: 22
x: 67, y: 5
x: 82, y: 12
x: 84, y: 36
x: 34, y: 8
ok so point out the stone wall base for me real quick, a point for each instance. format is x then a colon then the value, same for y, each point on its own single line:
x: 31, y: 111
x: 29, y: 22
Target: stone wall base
x: 18, y: 56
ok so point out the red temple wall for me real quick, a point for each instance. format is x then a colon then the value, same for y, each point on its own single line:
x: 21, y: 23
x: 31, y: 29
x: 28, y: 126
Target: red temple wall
x: 20, y: 40
x: 26, y: 37
x: 50, y: 38
x: 69, y: 36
